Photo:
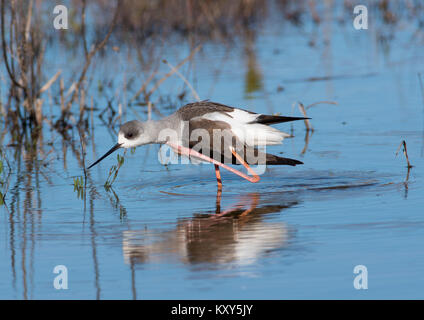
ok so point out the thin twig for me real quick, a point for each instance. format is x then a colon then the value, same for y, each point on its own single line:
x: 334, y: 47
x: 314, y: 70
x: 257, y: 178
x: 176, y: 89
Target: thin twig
x: 4, y: 47
x: 170, y: 73
x: 143, y: 86
x: 320, y: 102
x: 83, y: 154
x: 28, y: 23
x: 307, y: 123
x: 82, y: 105
x: 405, y: 152
x: 48, y: 84
x: 84, y: 40
x: 149, y: 110
x: 196, y: 96
x: 62, y: 99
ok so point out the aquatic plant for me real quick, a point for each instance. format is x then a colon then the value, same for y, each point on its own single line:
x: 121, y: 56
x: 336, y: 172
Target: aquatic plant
x: 113, y: 172
x: 79, y: 187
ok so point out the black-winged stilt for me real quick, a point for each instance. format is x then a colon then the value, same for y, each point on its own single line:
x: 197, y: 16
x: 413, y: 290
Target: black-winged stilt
x: 229, y: 136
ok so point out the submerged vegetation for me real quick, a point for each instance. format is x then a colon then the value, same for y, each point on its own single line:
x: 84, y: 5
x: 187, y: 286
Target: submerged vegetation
x: 79, y: 186
x: 113, y: 172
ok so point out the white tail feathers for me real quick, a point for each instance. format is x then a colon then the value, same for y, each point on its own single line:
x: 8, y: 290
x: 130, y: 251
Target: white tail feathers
x: 256, y: 134
x: 252, y: 134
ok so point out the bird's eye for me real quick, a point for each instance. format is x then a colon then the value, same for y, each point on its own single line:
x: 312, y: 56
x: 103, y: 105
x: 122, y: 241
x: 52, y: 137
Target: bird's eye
x: 129, y: 135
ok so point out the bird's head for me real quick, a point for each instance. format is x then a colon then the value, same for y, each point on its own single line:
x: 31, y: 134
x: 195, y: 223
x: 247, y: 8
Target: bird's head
x: 131, y: 134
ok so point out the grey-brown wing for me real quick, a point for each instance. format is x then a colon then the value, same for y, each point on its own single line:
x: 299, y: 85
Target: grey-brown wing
x: 214, y: 139
x: 211, y: 138
x: 198, y: 109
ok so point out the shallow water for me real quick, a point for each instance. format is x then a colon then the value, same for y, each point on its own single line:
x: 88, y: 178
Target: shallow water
x: 165, y: 233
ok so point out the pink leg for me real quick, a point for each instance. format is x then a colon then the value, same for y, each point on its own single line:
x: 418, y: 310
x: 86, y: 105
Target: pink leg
x: 190, y: 152
x: 241, y: 204
x: 255, y: 177
x: 218, y: 176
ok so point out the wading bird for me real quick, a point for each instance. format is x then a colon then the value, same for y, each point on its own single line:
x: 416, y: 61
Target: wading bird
x: 240, y: 133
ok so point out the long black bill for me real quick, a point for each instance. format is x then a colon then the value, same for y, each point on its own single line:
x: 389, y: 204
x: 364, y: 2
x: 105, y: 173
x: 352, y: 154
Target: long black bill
x: 114, y: 148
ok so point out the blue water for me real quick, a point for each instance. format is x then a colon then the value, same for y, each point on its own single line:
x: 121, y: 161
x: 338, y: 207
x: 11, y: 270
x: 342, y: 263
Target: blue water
x: 298, y: 233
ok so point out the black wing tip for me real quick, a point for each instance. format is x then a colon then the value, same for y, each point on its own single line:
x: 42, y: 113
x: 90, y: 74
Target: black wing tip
x: 298, y: 118
x: 270, y: 119
x: 292, y: 162
x: 297, y: 161
x: 276, y: 160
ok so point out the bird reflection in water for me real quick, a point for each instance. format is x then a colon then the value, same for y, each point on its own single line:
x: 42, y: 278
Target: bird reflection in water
x: 239, y: 235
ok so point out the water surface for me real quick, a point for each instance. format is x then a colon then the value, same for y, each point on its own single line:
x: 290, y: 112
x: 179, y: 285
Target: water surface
x: 165, y: 232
